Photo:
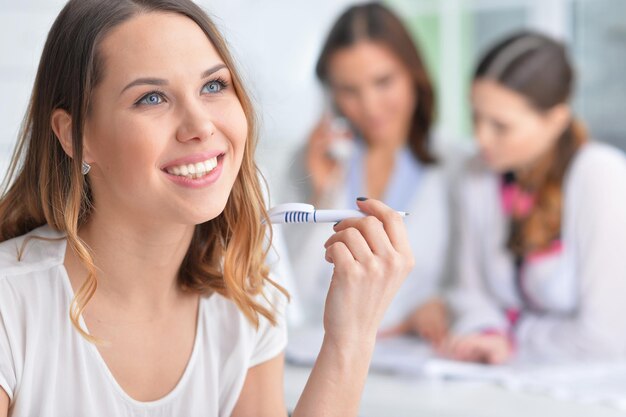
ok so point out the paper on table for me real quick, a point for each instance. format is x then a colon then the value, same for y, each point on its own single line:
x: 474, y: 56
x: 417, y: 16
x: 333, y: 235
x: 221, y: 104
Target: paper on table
x: 587, y: 383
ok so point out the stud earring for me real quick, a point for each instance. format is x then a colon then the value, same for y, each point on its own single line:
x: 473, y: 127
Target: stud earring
x: 85, y: 168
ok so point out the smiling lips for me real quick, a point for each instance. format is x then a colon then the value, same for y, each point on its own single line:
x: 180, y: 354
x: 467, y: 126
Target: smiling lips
x: 195, y: 170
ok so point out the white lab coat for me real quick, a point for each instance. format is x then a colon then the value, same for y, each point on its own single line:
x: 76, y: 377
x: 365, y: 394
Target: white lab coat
x: 579, y: 294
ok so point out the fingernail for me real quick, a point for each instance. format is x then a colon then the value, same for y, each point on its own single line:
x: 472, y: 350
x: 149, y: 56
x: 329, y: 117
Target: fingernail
x: 362, y: 198
x: 335, y: 225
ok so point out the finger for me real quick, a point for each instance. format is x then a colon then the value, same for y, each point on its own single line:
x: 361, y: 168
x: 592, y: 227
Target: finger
x: 467, y: 349
x: 323, y: 126
x: 482, y: 349
x: 498, y: 349
x: 462, y: 348
x: 372, y: 230
x: 438, y: 338
x: 440, y: 334
x: 321, y: 135
x: 354, y: 241
x: 392, y: 223
x: 432, y: 332
x: 447, y: 346
x: 339, y: 255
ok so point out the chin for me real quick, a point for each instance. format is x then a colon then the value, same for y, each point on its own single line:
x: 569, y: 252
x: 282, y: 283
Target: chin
x: 195, y: 215
x: 209, y: 215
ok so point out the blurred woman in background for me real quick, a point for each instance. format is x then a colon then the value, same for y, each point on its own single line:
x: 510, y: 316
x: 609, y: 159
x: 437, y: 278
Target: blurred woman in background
x: 380, y: 147
x: 543, y: 222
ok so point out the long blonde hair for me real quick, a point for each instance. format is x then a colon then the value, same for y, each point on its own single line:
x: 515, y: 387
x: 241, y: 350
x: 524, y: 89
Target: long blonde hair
x: 45, y: 186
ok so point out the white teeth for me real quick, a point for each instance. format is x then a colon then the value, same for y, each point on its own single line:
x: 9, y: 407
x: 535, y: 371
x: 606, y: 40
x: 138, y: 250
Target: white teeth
x: 194, y: 170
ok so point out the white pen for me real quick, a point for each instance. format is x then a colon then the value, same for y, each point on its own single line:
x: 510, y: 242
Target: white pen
x: 306, y: 213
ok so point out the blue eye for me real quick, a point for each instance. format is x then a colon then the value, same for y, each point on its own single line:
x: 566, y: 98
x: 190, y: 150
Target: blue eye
x: 214, y: 86
x: 151, y: 99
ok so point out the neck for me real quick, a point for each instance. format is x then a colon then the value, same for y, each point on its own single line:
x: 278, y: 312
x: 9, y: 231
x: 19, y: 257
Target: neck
x: 379, y: 164
x: 137, y: 263
x: 388, y: 144
x: 531, y: 177
x: 385, y: 148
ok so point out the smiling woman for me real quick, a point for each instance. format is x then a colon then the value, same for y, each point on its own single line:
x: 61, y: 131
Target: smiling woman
x: 133, y: 204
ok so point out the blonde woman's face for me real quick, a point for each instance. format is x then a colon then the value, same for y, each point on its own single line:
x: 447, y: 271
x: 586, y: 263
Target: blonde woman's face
x: 374, y: 90
x: 510, y: 133
x: 166, y: 132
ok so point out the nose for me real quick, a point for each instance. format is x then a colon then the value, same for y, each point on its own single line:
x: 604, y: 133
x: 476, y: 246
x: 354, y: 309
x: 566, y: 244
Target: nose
x: 195, y: 123
x: 369, y: 102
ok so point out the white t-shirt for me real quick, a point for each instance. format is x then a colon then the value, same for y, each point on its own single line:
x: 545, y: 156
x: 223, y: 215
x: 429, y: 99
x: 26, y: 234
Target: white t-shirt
x: 48, y: 369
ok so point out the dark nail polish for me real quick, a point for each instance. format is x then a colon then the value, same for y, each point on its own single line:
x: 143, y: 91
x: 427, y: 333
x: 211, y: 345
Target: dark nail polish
x: 362, y: 198
x: 335, y: 225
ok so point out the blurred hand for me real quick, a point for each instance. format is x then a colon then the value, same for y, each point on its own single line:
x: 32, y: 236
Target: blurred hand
x: 493, y: 348
x: 321, y: 166
x: 429, y: 321
x: 371, y: 258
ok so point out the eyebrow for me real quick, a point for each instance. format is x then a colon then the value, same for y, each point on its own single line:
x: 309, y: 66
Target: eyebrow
x: 161, y: 81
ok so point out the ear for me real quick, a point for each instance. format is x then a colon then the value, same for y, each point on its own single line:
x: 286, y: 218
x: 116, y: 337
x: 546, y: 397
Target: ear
x: 559, y: 118
x: 61, y: 123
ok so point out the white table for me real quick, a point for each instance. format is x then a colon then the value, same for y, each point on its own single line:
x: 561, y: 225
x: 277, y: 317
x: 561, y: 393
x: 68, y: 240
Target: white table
x: 394, y: 396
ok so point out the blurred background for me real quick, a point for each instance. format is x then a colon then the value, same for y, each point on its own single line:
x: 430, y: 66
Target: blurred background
x: 277, y: 42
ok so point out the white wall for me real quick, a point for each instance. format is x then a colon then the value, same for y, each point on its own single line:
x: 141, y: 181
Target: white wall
x: 23, y: 28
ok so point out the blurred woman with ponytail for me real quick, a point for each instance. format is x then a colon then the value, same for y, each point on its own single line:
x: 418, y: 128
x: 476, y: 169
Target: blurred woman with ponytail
x: 543, y: 219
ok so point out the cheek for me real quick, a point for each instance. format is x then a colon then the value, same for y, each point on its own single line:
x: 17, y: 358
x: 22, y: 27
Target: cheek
x: 126, y: 152
x: 401, y: 100
x: 348, y: 106
x: 401, y: 106
x: 522, y: 146
x: 130, y: 148
x: 234, y: 126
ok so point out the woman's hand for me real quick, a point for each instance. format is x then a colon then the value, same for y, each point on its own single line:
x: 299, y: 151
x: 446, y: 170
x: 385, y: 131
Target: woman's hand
x: 321, y: 166
x: 430, y: 321
x: 371, y: 258
x: 491, y: 348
